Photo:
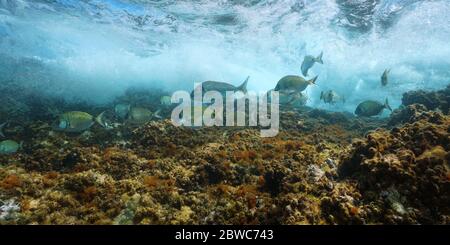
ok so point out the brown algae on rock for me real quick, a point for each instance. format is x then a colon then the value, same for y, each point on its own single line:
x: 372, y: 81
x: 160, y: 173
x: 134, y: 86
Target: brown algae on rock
x: 322, y: 168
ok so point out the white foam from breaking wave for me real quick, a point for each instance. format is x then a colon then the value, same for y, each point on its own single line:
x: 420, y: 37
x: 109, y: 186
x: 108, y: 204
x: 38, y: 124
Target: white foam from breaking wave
x: 96, y: 52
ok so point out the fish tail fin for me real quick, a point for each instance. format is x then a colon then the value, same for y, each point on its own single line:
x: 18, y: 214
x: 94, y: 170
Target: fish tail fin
x: 319, y: 58
x: 321, y: 95
x: 313, y: 81
x: 1, y: 129
x: 21, y: 145
x: 243, y: 86
x: 157, y: 115
x: 386, y: 105
x: 100, y: 119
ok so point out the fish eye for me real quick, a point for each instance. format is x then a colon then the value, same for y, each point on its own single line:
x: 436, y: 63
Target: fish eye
x: 62, y: 124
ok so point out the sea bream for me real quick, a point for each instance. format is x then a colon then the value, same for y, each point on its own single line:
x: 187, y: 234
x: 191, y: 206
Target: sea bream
x: 121, y: 110
x: 370, y: 108
x: 222, y: 87
x: 296, y: 99
x: 8, y: 147
x: 293, y: 84
x: 384, y: 77
x: 140, y: 115
x: 331, y: 97
x: 78, y: 121
x: 309, y: 62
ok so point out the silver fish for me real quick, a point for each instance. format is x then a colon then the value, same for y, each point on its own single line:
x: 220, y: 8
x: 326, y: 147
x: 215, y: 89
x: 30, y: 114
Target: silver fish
x: 331, y: 97
x: 309, y: 62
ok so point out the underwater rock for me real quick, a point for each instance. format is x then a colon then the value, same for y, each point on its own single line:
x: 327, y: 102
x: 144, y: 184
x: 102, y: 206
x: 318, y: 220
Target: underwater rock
x: 8, y: 210
x: 315, y: 173
x: 329, y: 117
x: 342, y: 206
x: 431, y: 100
x: 406, y: 114
x: 48, y: 159
x: 212, y: 173
x: 273, y: 179
x: 164, y: 133
x: 413, y: 113
x: 414, y: 160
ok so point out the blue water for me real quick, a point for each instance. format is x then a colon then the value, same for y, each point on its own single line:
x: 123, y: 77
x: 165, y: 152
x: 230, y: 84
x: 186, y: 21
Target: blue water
x: 94, y: 49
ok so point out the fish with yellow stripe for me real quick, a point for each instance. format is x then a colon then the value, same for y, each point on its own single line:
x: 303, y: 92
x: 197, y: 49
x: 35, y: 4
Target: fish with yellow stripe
x: 78, y: 121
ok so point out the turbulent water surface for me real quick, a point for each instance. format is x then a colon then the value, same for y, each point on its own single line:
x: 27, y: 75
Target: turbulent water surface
x: 94, y: 49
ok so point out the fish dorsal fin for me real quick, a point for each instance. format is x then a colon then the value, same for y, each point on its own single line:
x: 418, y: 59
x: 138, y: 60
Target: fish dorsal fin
x: 313, y: 81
